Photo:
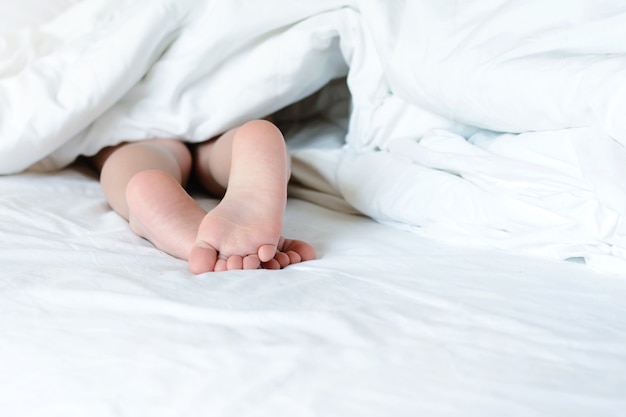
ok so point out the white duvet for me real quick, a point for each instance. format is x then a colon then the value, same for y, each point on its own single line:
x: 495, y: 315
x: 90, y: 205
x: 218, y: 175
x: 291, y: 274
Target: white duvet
x: 493, y: 123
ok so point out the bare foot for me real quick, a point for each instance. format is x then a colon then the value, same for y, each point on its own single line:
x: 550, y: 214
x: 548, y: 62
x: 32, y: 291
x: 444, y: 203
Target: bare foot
x: 161, y: 211
x: 244, y: 232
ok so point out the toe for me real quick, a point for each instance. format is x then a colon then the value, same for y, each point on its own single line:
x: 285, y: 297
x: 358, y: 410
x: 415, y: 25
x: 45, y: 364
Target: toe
x: 294, y: 257
x: 221, y: 265
x: 234, y: 262
x: 251, y: 262
x: 266, y: 252
x: 202, y: 259
x: 282, y: 258
x: 271, y: 264
x: 303, y: 249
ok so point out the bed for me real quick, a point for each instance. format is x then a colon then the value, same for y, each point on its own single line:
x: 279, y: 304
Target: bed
x: 458, y: 170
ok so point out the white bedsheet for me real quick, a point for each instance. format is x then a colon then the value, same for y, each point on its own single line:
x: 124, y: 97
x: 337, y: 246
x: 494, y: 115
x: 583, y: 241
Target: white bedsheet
x: 96, y: 322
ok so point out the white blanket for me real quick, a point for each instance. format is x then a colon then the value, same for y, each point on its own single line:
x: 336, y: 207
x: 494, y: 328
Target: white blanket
x: 430, y: 84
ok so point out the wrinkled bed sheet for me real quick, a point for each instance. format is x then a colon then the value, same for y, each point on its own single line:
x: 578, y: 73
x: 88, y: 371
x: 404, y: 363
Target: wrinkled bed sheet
x: 495, y: 124
x: 97, y: 322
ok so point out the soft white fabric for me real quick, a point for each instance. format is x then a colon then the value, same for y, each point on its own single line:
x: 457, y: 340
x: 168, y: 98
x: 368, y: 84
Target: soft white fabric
x: 429, y: 84
x: 97, y: 322
x: 107, y: 71
x: 17, y: 15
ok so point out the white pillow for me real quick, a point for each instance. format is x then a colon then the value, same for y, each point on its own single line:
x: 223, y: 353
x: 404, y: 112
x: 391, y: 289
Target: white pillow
x: 16, y: 14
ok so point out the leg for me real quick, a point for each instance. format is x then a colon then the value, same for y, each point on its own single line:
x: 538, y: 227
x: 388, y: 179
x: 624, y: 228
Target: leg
x: 143, y: 183
x: 249, y: 166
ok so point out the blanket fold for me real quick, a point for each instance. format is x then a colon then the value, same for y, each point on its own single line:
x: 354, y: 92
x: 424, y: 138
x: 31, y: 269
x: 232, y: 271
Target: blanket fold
x: 496, y: 123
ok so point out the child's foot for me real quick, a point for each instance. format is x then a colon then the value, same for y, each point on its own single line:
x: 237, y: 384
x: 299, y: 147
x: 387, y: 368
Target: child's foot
x: 244, y: 232
x: 161, y: 211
